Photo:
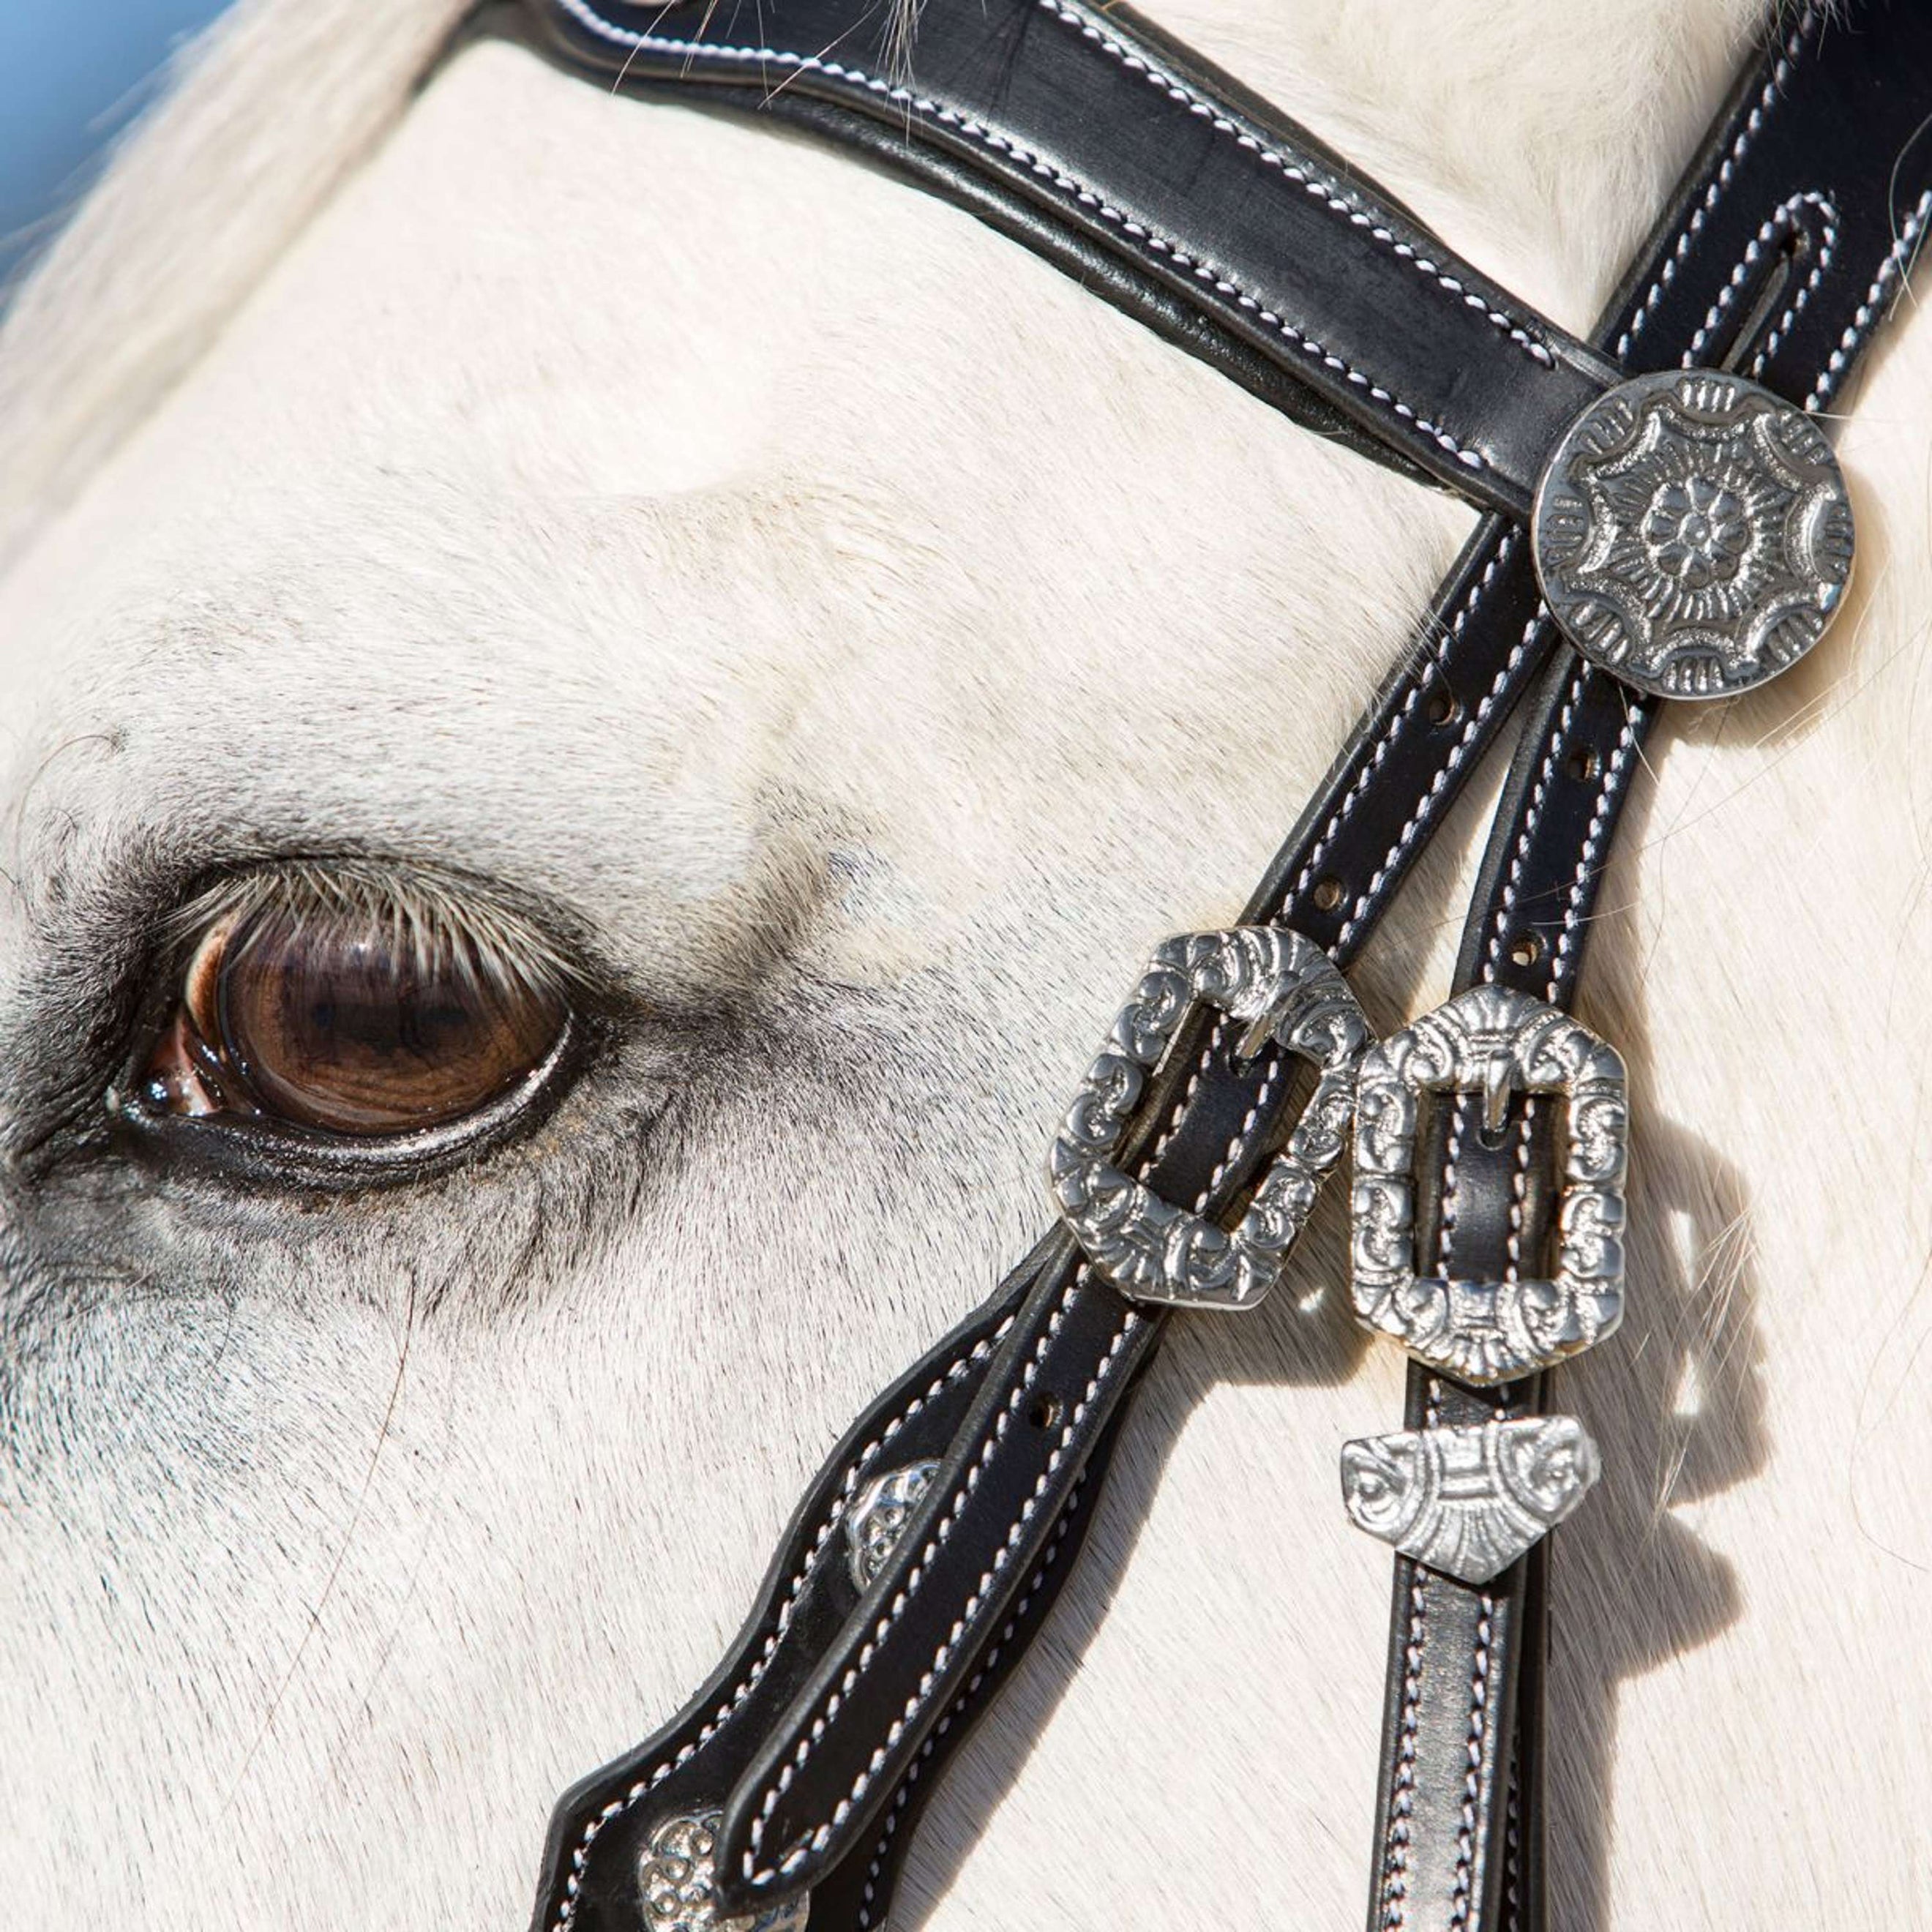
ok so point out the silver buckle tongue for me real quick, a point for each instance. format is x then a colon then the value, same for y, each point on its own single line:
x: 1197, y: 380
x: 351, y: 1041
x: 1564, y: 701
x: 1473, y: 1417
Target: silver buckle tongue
x: 1492, y: 1041
x: 1283, y: 988
x: 1692, y: 533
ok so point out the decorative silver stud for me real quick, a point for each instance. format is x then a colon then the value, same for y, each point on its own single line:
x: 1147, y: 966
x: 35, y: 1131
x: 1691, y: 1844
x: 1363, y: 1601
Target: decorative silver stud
x: 1492, y: 1041
x: 1280, y: 987
x: 676, y: 1875
x: 1468, y: 1501
x: 1692, y: 533
x: 879, y: 1515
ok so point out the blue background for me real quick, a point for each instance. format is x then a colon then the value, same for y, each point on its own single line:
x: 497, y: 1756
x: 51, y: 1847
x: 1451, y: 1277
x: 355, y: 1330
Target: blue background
x: 73, y: 74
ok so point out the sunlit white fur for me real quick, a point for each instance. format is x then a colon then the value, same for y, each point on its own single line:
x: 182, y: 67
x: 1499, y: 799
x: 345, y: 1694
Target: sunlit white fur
x: 860, y: 645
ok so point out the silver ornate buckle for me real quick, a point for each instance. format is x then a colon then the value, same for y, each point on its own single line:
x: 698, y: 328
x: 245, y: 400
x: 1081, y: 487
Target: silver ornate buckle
x: 1492, y: 1041
x: 1283, y: 988
x: 1470, y: 1500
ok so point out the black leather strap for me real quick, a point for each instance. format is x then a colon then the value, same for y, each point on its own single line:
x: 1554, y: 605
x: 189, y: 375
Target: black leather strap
x: 1176, y: 175
x: 1449, y: 1851
x: 808, y: 1799
x: 1846, y: 200
x: 1791, y: 226
x: 1076, y: 1342
x: 1404, y: 765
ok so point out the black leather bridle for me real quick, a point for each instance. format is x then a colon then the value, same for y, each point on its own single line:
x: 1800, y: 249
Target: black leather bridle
x: 1663, y: 519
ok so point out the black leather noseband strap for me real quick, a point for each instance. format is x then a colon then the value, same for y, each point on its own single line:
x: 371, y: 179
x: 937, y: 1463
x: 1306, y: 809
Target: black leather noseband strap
x: 1119, y: 154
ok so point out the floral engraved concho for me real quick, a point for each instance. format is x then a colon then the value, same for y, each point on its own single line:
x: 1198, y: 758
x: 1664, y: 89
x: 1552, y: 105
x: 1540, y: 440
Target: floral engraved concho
x: 1692, y: 534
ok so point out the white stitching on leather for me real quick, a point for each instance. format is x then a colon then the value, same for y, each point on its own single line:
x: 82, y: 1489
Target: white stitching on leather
x: 1768, y: 98
x: 648, y: 1780
x: 1518, y: 1208
x: 1519, y: 1193
x: 1586, y: 864
x: 868, y: 1890
x: 1782, y: 218
x: 1322, y: 190
x: 1445, y: 1216
x: 1479, y: 1685
x: 1613, y: 778
x: 1900, y: 253
x: 1418, y: 681
x: 1394, y: 1888
x: 818, y: 1839
x: 1828, y: 217
x: 1420, y: 816
x: 1137, y: 231
x: 1209, y: 1048
x: 1479, y: 1717
x: 1401, y: 1787
x: 1239, y: 1141
x: 1538, y: 797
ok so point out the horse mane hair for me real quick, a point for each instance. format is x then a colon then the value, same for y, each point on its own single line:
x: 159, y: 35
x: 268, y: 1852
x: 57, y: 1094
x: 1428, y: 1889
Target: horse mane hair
x: 260, y: 118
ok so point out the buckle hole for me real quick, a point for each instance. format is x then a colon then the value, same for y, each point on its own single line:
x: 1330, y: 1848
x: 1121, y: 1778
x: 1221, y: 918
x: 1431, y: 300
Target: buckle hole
x: 1045, y: 1412
x: 1445, y: 707
x: 1584, y: 765
x: 1526, y: 951
x: 1328, y: 893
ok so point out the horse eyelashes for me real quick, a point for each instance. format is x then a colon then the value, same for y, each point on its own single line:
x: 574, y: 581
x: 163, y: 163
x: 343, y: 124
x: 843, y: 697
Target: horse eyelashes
x: 352, y: 1006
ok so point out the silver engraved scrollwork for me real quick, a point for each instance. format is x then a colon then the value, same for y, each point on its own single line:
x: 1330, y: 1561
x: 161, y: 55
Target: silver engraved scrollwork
x: 676, y: 1873
x: 1468, y: 1501
x: 1492, y: 1040
x: 1280, y: 986
x: 879, y: 1515
x: 1692, y: 533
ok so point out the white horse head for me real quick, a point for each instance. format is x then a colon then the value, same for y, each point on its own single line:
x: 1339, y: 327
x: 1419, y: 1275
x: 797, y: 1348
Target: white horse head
x: 826, y: 647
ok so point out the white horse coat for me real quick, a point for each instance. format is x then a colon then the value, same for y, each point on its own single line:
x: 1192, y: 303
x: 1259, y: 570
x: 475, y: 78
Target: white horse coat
x: 859, y: 645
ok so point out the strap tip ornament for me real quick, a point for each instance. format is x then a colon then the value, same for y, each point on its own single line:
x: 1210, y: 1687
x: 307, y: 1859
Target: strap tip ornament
x: 1469, y: 1502
x: 1692, y: 533
x: 1489, y: 1040
x: 879, y: 1516
x: 677, y: 1879
x: 1279, y: 986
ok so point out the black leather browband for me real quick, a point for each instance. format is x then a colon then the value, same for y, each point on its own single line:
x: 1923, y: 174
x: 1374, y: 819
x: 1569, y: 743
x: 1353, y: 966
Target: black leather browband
x: 1106, y: 130
x: 1125, y: 158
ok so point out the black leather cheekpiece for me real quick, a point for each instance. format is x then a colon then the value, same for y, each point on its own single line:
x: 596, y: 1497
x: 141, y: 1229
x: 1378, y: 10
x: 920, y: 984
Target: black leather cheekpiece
x: 1188, y: 203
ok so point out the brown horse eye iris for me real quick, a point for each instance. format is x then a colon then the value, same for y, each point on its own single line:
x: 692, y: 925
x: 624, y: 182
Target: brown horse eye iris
x: 348, y: 1032
x: 329, y: 1017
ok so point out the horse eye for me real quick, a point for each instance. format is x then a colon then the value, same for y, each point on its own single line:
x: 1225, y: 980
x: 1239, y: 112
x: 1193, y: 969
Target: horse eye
x: 338, y: 1013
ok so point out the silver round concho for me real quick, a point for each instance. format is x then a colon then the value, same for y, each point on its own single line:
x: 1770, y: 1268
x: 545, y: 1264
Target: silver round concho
x: 1692, y: 533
